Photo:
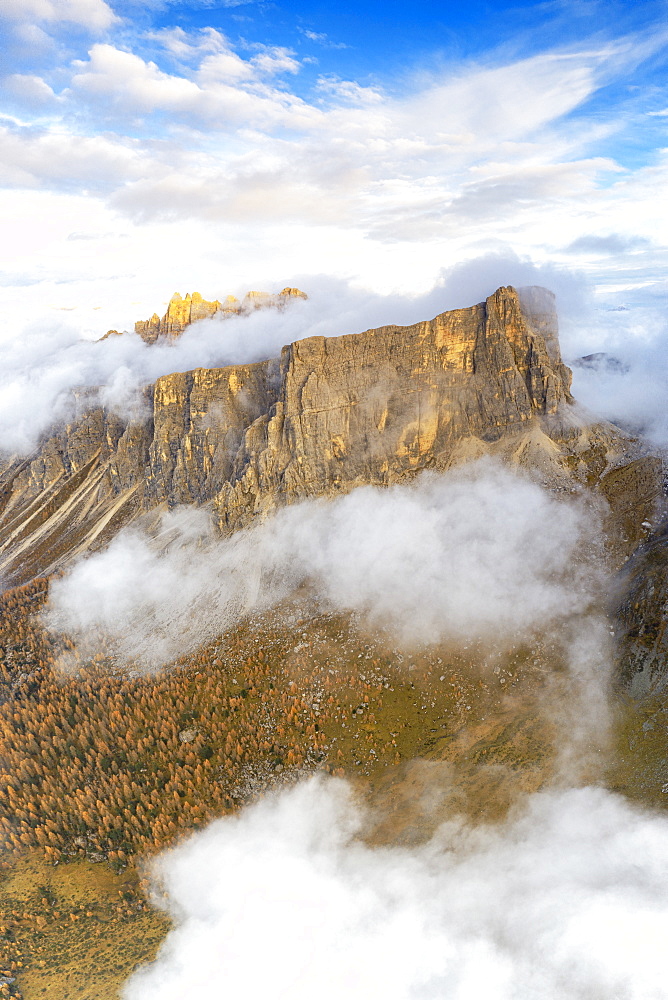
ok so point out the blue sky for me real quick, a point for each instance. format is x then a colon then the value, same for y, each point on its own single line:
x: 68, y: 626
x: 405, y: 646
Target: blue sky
x: 158, y: 145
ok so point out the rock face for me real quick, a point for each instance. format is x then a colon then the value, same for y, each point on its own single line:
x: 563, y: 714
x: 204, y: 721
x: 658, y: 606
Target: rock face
x: 371, y: 407
x: 181, y: 312
x: 641, y: 613
x: 328, y: 415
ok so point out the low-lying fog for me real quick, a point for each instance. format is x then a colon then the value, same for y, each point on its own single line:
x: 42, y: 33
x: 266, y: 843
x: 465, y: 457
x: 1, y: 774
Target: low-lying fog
x: 480, y: 552
x: 566, y: 900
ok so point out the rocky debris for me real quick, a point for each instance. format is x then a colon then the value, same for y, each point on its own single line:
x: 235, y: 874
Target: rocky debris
x: 181, y: 312
x: 187, y: 735
x: 634, y: 495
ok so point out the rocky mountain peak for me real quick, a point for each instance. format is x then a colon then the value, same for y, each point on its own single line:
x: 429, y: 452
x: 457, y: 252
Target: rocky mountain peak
x: 182, y: 311
x: 330, y: 414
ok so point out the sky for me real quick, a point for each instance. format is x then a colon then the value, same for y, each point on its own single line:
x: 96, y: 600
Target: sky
x: 158, y: 145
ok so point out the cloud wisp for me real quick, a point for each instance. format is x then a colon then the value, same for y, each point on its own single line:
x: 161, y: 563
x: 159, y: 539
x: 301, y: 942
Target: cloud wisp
x: 567, y: 898
x: 479, y: 553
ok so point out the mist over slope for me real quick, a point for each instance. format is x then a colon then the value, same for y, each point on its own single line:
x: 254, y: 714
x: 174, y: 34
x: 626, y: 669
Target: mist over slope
x: 478, y: 553
x: 328, y: 415
x: 41, y: 364
x: 567, y: 898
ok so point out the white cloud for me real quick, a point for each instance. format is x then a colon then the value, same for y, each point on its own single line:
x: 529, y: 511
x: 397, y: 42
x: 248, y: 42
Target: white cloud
x: 120, y: 82
x: 567, y: 898
x: 187, y: 46
x: 29, y: 89
x: 95, y: 15
x: 629, y: 383
x: 132, y: 83
x: 388, y: 188
x: 494, y: 104
x: 349, y: 91
x: 224, y: 67
x: 322, y: 39
x: 274, y: 59
x: 444, y: 560
x: 482, y: 150
x: 35, y: 157
x: 451, y: 158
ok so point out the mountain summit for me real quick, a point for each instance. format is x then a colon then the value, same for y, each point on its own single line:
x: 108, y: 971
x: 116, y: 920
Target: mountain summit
x: 181, y: 312
x: 326, y: 416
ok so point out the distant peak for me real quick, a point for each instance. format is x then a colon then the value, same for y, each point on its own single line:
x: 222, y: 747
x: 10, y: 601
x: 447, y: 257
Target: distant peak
x: 182, y: 311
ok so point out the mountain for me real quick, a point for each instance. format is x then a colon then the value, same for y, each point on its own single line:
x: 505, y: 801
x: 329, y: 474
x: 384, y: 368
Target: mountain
x: 326, y: 416
x: 183, y: 311
x: 105, y: 764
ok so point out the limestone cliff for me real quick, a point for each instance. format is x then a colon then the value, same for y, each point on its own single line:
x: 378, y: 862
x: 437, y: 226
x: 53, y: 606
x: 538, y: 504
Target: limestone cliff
x: 181, y: 312
x: 328, y: 415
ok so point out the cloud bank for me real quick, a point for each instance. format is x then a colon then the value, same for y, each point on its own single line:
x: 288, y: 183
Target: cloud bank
x: 565, y: 899
x: 477, y: 553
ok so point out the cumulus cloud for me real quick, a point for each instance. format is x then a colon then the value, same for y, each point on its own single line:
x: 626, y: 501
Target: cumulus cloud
x: 96, y: 15
x: 223, y: 93
x: 29, y: 90
x: 567, y: 898
x: 478, y: 553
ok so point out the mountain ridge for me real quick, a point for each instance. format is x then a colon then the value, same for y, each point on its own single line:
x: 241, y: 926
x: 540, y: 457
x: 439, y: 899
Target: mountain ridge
x: 326, y: 416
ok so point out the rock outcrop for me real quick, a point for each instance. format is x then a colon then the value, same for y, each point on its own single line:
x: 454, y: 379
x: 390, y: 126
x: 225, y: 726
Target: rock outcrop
x: 328, y: 415
x: 181, y: 312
